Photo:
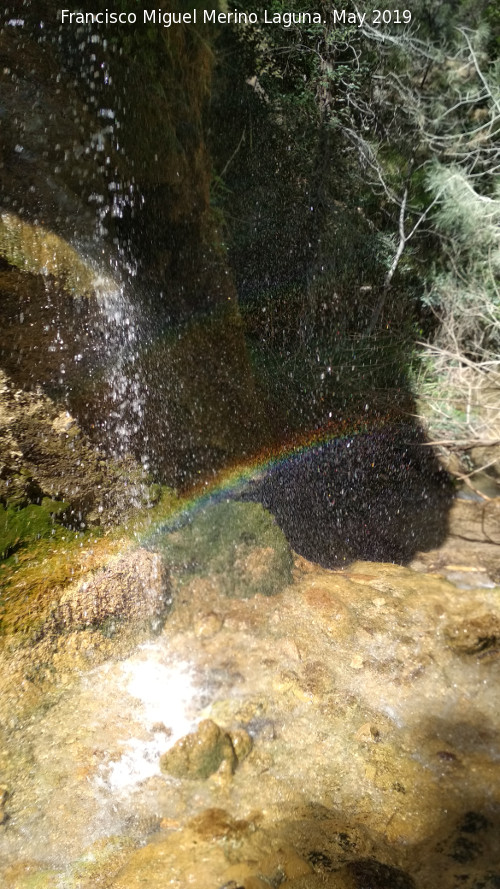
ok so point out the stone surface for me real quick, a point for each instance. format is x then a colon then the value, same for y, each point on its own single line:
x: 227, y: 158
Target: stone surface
x: 134, y: 587
x: 475, y: 520
x: 4, y: 796
x: 204, y: 852
x: 200, y: 754
x: 237, y: 547
x: 470, y: 554
x: 242, y: 743
x: 364, y: 702
x: 44, y: 453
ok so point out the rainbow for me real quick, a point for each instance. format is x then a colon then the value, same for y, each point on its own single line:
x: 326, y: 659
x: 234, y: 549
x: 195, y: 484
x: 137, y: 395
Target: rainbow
x: 231, y: 481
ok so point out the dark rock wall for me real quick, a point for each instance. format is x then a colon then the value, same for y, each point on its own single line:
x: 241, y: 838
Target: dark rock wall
x: 104, y: 146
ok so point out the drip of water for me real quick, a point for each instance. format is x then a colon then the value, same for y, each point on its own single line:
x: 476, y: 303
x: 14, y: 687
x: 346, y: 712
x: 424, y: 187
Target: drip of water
x: 118, y: 319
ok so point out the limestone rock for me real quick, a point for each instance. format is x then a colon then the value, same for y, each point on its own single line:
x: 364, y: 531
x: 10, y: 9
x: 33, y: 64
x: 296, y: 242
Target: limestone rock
x: 475, y: 636
x: 207, y: 625
x: 215, y: 850
x: 63, y: 423
x: 133, y: 587
x: 200, y: 754
x: 242, y: 743
x: 476, y: 521
x: 239, y: 545
x: 44, y: 453
x: 369, y: 872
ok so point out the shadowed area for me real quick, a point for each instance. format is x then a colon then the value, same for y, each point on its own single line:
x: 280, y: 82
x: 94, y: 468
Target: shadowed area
x: 380, y: 496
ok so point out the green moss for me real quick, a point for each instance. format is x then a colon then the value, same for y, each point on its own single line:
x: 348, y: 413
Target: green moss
x: 20, y: 527
x: 239, y: 543
x: 45, y: 556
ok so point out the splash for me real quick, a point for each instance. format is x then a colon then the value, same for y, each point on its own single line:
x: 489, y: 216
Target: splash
x: 164, y: 693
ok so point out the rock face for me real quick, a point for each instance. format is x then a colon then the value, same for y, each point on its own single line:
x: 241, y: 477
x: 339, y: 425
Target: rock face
x: 203, y: 854
x: 105, y: 151
x: 470, y: 556
x: 44, y: 454
x: 133, y: 588
x: 4, y: 796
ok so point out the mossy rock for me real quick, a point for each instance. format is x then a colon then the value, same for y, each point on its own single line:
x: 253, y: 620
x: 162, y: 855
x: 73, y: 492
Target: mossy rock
x: 239, y: 543
x: 20, y: 527
x: 200, y: 754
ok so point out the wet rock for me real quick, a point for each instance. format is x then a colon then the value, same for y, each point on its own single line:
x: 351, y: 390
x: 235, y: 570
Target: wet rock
x: 251, y: 882
x: 44, y: 454
x: 409, y: 802
x: 27, y: 875
x: 133, y: 588
x: 200, y: 754
x: 242, y: 743
x: 322, y: 881
x: 474, y: 822
x: 215, y: 824
x: 465, y: 850
x: 201, y: 414
x: 368, y: 734
x: 38, y: 251
x: 477, y: 636
x: 161, y: 727
x: 283, y: 865
x: 194, y: 856
x: 101, y: 861
x: 238, y: 545
x: 216, y: 850
x: 63, y: 423
x: 207, y: 625
x: 327, y: 610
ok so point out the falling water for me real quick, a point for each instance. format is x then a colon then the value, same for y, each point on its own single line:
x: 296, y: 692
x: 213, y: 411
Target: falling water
x: 352, y: 701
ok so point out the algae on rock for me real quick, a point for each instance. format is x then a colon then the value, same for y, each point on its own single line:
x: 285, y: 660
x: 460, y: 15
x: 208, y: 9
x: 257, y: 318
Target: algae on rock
x: 20, y: 527
x: 201, y: 753
x: 239, y: 544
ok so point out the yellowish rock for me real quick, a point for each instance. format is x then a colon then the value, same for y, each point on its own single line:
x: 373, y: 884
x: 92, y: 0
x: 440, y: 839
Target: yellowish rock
x: 200, y: 754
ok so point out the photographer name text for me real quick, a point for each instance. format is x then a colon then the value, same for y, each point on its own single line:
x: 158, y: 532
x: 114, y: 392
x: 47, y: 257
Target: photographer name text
x: 337, y: 17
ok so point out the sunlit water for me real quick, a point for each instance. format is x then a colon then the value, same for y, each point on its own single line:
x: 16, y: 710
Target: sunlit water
x: 346, y: 683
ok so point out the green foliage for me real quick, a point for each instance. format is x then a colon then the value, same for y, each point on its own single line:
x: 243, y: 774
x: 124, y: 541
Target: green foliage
x: 308, y: 70
x: 471, y: 218
x: 464, y: 291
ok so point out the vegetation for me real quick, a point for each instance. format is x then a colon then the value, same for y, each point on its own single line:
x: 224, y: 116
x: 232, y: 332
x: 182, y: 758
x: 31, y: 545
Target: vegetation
x: 383, y: 147
x: 354, y: 200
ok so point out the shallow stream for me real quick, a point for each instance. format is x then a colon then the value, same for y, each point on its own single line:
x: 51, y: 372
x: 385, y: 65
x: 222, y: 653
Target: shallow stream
x: 361, y: 704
